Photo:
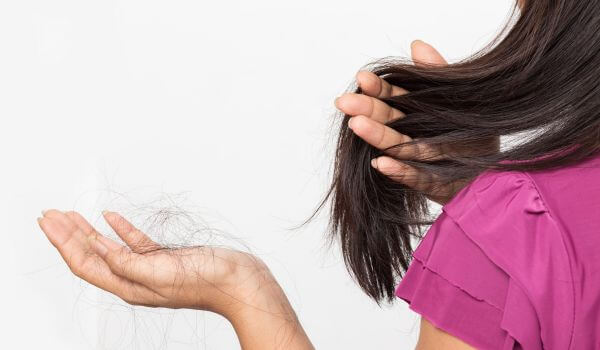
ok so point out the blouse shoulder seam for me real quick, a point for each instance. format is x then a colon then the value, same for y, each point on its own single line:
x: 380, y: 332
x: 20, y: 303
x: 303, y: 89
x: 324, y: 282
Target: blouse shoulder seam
x: 550, y: 214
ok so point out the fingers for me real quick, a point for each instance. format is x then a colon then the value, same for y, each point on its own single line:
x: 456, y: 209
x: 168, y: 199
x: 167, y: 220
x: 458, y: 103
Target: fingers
x: 66, y: 237
x: 409, y: 176
x: 370, y: 114
x: 376, y: 134
x: 109, y: 275
x: 384, y: 138
x: 152, y: 271
x: 88, y: 229
x: 127, y: 264
x: 138, y: 241
x: 359, y: 104
x: 393, y: 168
x: 374, y: 88
x: 372, y: 85
x: 75, y: 248
x: 424, y: 54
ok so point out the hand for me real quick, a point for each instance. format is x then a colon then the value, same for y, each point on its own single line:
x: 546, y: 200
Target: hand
x: 145, y: 273
x: 370, y: 114
x: 234, y: 284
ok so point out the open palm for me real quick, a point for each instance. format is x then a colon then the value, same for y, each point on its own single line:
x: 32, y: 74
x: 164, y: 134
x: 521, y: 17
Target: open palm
x: 143, y: 272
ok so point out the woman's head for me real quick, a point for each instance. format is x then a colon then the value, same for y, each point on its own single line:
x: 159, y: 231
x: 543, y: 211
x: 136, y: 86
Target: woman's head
x: 537, y: 86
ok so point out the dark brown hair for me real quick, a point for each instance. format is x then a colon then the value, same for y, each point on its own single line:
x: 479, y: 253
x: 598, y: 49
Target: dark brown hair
x: 538, y: 82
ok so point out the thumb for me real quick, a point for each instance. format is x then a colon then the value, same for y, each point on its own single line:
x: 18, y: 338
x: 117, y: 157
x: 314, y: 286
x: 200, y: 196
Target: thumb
x: 424, y: 54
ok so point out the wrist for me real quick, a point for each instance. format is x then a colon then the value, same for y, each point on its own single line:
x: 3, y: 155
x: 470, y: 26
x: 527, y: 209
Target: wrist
x: 266, y: 320
x: 231, y: 281
x: 261, y: 313
x: 252, y: 289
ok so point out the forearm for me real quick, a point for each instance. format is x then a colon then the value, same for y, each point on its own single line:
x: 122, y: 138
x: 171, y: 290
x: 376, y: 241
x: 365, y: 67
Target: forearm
x: 265, y: 320
x: 231, y: 283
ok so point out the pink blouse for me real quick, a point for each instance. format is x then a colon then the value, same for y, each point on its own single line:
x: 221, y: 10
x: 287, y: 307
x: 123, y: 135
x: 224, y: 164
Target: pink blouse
x: 513, y: 261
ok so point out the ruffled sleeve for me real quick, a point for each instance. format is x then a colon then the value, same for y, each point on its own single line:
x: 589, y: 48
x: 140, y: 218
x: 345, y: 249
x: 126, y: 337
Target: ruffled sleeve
x: 493, y: 270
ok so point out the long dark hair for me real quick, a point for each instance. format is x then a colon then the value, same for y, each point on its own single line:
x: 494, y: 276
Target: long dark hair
x: 538, y: 82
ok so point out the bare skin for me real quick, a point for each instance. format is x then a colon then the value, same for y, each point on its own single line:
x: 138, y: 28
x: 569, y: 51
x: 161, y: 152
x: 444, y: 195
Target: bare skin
x: 231, y: 283
x: 433, y: 338
x: 370, y: 114
x: 234, y: 284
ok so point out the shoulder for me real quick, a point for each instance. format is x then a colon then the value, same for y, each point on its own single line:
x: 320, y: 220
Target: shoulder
x: 504, y: 214
x: 506, y: 189
x: 496, y: 252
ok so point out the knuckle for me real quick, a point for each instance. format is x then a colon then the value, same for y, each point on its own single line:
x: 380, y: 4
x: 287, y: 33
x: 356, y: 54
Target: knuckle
x: 380, y: 143
x: 76, y: 270
x: 383, y: 87
x: 390, y: 166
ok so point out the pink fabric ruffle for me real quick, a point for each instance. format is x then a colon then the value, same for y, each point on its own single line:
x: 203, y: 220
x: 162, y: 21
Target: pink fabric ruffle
x: 493, y: 270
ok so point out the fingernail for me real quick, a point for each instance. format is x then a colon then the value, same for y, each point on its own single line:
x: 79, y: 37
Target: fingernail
x: 350, y: 122
x: 104, y: 212
x: 374, y: 163
x: 98, y: 246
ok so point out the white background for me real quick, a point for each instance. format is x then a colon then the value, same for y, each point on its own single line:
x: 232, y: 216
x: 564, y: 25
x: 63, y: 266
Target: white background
x: 221, y: 109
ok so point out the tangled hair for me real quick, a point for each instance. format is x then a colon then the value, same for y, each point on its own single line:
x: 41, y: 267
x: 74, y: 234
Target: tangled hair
x: 538, y: 82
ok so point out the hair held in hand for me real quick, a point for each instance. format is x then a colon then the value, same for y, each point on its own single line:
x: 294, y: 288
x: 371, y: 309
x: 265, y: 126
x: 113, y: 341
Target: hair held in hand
x: 538, y: 84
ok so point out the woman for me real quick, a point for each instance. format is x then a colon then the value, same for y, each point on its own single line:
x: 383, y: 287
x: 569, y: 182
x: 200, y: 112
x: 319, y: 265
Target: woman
x: 509, y: 263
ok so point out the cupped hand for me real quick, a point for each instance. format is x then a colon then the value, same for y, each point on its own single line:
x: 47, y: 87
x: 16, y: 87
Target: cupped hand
x: 369, y: 118
x: 142, y: 272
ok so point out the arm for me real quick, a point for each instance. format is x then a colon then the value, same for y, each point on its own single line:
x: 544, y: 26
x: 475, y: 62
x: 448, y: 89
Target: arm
x: 269, y: 322
x: 433, y: 338
x: 144, y: 273
x: 234, y: 284
x: 264, y: 318
x: 369, y: 117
